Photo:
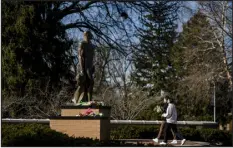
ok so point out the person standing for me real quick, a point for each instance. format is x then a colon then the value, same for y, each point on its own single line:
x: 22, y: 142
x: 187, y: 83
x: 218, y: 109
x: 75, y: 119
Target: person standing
x: 156, y: 140
x: 171, y: 122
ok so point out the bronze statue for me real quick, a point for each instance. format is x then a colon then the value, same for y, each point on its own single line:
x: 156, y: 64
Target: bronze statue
x: 85, y: 77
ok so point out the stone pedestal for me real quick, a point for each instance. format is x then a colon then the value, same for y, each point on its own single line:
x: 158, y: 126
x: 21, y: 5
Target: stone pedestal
x: 85, y: 126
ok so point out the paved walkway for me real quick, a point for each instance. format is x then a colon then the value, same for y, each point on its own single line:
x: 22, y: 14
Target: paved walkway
x: 151, y: 142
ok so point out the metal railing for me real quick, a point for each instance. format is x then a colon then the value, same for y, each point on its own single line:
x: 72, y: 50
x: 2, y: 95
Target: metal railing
x: 10, y: 120
x: 118, y: 122
x: 149, y: 122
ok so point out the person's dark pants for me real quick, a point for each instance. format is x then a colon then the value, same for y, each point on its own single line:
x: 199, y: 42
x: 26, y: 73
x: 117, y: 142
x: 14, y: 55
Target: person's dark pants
x: 161, y: 130
x: 168, y: 127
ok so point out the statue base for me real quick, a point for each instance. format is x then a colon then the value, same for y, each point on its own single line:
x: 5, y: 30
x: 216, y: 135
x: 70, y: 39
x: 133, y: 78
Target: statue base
x: 75, y: 122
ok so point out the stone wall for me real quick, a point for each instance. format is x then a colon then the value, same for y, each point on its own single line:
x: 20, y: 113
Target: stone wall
x: 84, y: 126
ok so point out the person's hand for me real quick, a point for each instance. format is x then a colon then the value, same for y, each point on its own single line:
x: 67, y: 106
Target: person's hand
x: 163, y: 115
x: 81, y: 73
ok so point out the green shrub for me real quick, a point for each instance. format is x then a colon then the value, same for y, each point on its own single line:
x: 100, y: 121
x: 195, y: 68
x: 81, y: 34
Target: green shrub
x: 33, y: 135
x: 212, y: 136
x: 135, y: 132
x: 41, y: 135
x: 191, y: 134
x: 215, y: 136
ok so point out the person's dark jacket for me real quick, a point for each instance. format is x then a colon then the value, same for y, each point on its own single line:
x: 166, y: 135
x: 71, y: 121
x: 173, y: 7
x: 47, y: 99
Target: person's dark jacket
x: 164, y: 110
x: 165, y: 107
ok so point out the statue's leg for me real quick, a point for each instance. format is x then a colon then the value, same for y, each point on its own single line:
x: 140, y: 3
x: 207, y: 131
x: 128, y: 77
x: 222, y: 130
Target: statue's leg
x: 84, y: 92
x: 90, y: 89
x: 76, y: 95
x: 81, y: 94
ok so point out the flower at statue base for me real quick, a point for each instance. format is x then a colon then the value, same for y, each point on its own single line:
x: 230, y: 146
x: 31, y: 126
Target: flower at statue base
x: 101, y: 103
x: 88, y: 111
x: 92, y: 102
x: 80, y: 115
x: 92, y: 114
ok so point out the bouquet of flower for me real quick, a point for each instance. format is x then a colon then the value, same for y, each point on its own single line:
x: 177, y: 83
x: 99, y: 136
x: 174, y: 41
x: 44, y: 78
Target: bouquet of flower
x: 89, y: 112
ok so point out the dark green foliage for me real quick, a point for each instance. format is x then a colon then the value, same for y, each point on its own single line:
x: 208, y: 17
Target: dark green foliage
x: 134, y: 132
x: 42, y: 136
x: 152, y: 59
x: 212, y: 136
x: 36, y: 64
x: 32, y: 135
x: 34, y: 47
x: 150, y: 113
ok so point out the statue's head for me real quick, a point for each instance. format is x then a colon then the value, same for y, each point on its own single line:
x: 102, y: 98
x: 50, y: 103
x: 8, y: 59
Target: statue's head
x: 87, y: 35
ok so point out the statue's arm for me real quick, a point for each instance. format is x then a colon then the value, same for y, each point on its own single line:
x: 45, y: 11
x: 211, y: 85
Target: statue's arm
x: 81, y: 56
x: 95, y: 60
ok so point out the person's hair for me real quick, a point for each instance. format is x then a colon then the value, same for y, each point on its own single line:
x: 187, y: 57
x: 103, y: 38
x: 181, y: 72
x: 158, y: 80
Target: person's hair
x: 167, y: 97
x: 171, y: 100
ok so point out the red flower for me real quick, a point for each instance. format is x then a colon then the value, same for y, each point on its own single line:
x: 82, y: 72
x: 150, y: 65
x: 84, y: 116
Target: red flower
x: 88, y: 111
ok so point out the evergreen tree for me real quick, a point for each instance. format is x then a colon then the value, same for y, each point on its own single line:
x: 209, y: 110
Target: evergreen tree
x: 34, y: 47
x: 153, y: 69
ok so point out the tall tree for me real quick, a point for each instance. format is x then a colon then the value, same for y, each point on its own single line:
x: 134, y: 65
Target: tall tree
x: 153, y: 69
x: 41, y: 26
x: 197, y: 59
x: 37, y: 53
x: 34, y: 46
x: 220, y: 15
